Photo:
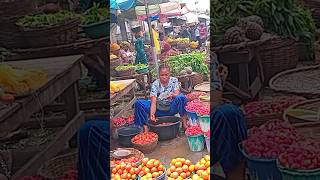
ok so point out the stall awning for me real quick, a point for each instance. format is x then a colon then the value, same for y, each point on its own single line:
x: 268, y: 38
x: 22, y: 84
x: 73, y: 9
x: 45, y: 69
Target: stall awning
x: 122, y: 4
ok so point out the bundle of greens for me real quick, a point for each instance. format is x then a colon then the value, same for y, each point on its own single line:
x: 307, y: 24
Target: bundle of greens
x: 45, y: 20
x: 195, y: 60
x: 97, y: 13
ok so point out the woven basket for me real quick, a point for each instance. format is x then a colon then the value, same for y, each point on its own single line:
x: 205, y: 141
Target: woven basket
x: 52, y: 36
x: 310, y: 130
x: 146, y: 148
x: 261, y: 119
x: 125, y: 73
x: 134, y: 153
x: 55, y: 168
x: 313, y: 105
x: 317, y: 52
x: 278, y: 55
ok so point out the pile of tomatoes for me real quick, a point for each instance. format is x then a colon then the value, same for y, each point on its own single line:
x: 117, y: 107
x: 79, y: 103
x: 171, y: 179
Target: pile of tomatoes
x: 70, y: 175
x: 145, y: 138
x: 193, y: 130
x: 180, y: 168
x: 148, y: 169
x: 259, y: 108
x: 195, y: 95
x: 130, y: 119
x: 118, y: 121
x: 197, y: 106
x: 202, y: 169
x: 130, y: 160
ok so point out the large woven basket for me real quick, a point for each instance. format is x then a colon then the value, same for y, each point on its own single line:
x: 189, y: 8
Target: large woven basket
x: 260, y: 119
x: 52, y: 36
x: 134, y: 153
x: 278, y: 55
x: 313, y: 105
x: 125, y: 73
x: 146, y: 148
x: 302, y: 81
x: 55, y: 168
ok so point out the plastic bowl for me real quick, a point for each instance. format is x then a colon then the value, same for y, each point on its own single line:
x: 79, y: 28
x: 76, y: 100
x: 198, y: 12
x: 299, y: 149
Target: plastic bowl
x: 165, y: 132
x: 125, y: 135
x: 296, y: 174
x: 97, y: 30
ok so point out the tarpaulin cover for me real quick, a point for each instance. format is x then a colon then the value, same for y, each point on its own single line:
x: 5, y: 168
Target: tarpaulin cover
x: 122, y: 4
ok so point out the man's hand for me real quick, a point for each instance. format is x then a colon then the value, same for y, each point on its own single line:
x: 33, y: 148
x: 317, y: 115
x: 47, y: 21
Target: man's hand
x: 153, y: 118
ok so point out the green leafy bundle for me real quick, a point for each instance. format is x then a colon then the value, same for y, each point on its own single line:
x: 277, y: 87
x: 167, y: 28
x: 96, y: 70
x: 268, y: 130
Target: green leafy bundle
x: 95, y: 14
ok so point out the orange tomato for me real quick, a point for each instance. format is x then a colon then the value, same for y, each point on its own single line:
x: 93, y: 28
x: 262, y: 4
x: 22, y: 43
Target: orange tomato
x: 202, y: 167
x: 173, y: 168
x: 132, y: 171
x: 129, y: 176
x: 188, y: 162
x: 120, y: 171
x: 160, y: 173
x: 207, y: 164
x: 134, y: 176
x: 168, y: 172
x: 174, y: 175
x: 183, y: 175
x: 188, y: 173
x: 128, y: 168
x: 179, y: 170
x: 182, y: 160
x: 154, y: 169
x: 149, y: 164
x: 124, y: 176
x: 199, y: 173
x: 197, y: 167
x: 156, y: 163
x: 191, y: 168
x: 142, y: 173
x: 137, y: 171
x: 173, y: 162
x: 160, y: 167
x: 146, y: 170
x: 155, y: 174
x: 185, y: 168
x: 205, y: 175
x: 145, y: 160
x: 178, y: 164
x: 114, y: 170
x: 207, y: 157
x: 118, y: 167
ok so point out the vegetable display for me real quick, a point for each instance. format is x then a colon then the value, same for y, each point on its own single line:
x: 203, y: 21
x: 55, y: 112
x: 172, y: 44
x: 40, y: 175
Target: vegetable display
x: 95, y: 14
x: 151, y: 169
x: 202, y: 168
x: 118, y: 121
x: 197, y: 106
x: 180, y: 167
x: 130, y: 119
x: 145, y: 138
x: 130, y: 160
x: 270, y: 140
x: 259, y: 108
x: 116, y: 87
x: 46, y: 20
x: 125, y: 67
x: 195, y: 95
x: 193, y: 130
x: 196, y: 60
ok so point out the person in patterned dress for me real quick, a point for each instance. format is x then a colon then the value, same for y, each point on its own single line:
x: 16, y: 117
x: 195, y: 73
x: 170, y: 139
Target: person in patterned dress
x: 228, y: 127
x: 165, y: 100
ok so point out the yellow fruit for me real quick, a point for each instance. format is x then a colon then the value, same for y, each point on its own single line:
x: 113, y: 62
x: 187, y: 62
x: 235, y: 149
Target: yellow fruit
x: 173, y: 162
x: 207, y: 157
x: 203, y: 161
x: 195, y: 177
x: 191, y: 168
x: 148, y: 175
x: 178, y: 164
x: 205, y: 175
x: 174, y: 175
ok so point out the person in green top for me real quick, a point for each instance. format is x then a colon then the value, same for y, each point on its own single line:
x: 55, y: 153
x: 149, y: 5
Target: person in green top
x: 141, y: 56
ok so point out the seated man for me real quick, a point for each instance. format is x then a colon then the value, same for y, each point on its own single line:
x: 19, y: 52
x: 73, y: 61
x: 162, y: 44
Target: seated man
x: 228, y: 128
x: 93, y: 143
x: 165, y: 100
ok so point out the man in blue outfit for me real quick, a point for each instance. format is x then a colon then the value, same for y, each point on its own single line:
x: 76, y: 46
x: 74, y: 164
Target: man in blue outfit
x: 94, y: 150
x: 228, y: 127
x: 165, y: 100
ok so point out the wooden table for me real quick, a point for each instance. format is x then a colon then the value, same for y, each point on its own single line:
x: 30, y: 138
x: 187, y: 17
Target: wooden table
x: 129, y: 89
x: 63, y: 75
x: 140, y: 80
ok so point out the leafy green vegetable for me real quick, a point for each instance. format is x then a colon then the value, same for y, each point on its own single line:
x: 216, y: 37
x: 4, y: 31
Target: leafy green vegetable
x: 196, y: 60
x: 44, y: 20
x: 125, y: 67
x: 95, y: 14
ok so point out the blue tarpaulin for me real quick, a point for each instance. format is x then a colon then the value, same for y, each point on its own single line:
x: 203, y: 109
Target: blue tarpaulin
x: 122, y: 4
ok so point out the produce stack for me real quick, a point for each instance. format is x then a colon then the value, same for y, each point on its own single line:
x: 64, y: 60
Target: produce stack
x: 195, y: 138
x: 180, y: 168
x: 275, y: 150
x: 202, y: 110
x: 202, y: 169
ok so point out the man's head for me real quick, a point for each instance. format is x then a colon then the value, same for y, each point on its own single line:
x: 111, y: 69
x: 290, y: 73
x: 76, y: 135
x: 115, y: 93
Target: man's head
x: 153, y: 26
x: 164, y: 73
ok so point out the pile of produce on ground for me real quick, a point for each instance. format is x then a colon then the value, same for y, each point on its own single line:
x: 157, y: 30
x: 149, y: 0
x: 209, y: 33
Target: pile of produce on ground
x: 97, y: 13
x: 193, y: 130
x: 180, y: 168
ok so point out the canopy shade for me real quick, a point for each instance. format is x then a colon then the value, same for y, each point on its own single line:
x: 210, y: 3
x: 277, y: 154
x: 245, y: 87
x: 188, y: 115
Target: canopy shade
x: 122, y: 4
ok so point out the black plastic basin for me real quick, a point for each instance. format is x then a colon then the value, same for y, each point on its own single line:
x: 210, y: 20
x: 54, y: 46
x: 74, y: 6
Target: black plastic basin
x: 126, y: 134
x: 165, y: 132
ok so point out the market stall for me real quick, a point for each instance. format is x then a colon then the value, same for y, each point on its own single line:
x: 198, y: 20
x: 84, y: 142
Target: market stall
x: 63, y: 74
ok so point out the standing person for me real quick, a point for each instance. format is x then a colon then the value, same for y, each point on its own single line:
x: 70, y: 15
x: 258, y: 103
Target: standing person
x: 156, y: 39
x: 165, y: 100
x: 197, y: 34
x: 160, y: 28
x: 141, y: 56
x: 203, y: 33
x: 229, y: 127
